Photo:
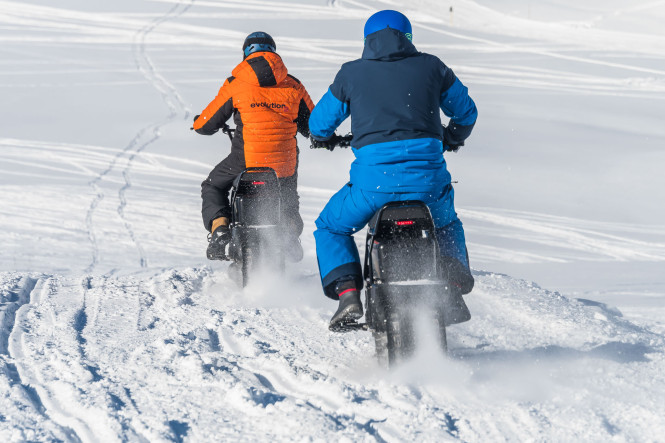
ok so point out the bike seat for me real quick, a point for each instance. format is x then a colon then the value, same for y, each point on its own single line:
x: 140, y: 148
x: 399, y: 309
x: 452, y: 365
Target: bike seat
x: 400, y: 210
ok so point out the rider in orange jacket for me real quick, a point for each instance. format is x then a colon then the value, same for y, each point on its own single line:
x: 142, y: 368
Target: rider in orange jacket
x: 268, y: 106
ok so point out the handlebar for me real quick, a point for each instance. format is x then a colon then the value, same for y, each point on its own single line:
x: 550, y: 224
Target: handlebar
x: 228, y: 131
x: 225, y: 129
x: 343, y: 141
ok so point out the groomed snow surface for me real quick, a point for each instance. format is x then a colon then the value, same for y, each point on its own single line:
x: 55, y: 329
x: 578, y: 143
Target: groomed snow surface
x: 114, y: 327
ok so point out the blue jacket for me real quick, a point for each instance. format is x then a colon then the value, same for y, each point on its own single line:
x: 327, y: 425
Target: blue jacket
x: 393, y: 95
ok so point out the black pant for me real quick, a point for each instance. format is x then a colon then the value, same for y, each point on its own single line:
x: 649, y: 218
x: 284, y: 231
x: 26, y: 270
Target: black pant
x: 215, y: 194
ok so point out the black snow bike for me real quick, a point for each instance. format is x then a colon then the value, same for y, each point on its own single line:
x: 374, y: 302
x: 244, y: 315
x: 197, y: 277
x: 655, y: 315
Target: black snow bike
x: 256, y: 232
x: 403, y: 273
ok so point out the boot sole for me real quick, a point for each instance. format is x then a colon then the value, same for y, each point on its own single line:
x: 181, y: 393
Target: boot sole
x: 212, y: 256
x: 349, y: 314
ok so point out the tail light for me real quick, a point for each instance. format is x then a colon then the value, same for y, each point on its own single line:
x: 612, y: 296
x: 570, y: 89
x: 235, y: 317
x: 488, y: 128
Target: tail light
x: 405, y: 222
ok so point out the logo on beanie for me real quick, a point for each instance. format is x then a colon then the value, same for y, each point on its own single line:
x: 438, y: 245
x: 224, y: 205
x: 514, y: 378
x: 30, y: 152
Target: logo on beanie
x: 269, y: 105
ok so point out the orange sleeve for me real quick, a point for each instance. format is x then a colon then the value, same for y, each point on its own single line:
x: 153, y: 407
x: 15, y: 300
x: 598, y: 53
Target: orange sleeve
x: 219, y: 110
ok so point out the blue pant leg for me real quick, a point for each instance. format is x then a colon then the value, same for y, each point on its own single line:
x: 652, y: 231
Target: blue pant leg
x: 452, y: 242
x: 442, y: 206
x: 450, y: 233
x: 454, y: 256
x: 347, y: 212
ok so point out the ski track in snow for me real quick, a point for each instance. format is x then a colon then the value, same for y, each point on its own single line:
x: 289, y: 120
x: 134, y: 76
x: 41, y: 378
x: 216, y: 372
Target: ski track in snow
x: 172, y: 99
x: 149, y: 356
x: 146, y: 136
x: 19, y: 394
x: 110, y: 349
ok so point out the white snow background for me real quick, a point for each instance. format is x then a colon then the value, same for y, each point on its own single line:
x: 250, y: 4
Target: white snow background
x: 114, y: 326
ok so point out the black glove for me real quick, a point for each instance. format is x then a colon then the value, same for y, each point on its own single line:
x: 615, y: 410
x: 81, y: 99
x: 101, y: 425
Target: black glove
x: 453, y: 147
x: 323, y: 144
x: 449, y: 145
x: 195, y: 117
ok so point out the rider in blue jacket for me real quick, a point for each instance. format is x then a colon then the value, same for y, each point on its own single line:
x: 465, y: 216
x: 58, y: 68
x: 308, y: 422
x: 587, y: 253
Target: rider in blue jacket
x: 393, y: 94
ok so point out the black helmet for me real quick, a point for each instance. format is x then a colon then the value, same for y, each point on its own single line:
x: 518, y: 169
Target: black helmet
x: 258, y: 41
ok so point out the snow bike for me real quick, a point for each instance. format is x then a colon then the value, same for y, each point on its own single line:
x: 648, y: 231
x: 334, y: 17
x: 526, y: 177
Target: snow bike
x: 255, y: 244
x: 403, y: 277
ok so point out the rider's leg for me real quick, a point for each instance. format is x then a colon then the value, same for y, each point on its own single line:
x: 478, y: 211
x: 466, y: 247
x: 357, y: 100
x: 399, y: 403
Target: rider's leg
x: 452, y: 243
x: 215, y: 210
x: 455, y: 269
x: 290, y: 215
x: 215, y: 189
x: 290, y: 205
x: 454, y: 256
x: 339, y: 264
x: 347, y: 212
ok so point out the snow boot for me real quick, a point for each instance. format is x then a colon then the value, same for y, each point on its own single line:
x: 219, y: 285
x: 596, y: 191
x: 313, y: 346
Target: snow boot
x: 455, y: 309
x: 350, y: 308
x: 219, y: 237
x: 293, y: 250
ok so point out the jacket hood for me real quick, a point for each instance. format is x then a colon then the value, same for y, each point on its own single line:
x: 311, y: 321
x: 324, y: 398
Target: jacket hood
x: 261, y: 69
x: 387, y: 45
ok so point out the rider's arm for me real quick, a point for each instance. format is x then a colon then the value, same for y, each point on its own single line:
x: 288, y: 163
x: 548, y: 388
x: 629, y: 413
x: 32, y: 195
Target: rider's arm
x: 459, y: 107
x: 330, y: 111
x: 217, y: 112
x: 304, y: 112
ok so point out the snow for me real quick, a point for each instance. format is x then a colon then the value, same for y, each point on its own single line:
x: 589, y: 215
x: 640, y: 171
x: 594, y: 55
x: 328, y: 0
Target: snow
x: 114, y: 327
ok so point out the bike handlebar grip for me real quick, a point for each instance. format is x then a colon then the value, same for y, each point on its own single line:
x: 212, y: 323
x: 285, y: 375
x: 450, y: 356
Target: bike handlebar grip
x: 195, y: 117
x: 343, y: 141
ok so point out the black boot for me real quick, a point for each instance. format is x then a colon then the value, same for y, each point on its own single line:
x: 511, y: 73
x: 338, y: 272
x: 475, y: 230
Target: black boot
x: 350, y: 308
x: 217, y: 242
x: 293, y: 250
x: 455, y: 309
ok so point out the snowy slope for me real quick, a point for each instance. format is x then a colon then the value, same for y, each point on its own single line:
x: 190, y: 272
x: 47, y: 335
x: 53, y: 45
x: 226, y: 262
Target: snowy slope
x: 161, y: 356
x: 114, y: 327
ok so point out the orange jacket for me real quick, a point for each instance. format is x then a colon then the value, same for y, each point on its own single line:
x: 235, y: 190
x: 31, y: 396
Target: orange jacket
x: 268, y: 107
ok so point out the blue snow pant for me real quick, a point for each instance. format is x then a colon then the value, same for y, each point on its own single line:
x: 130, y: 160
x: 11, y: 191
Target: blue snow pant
x: 349, y: 210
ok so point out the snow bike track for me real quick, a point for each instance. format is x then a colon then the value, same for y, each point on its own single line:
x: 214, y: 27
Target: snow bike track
x: 140, y: 356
